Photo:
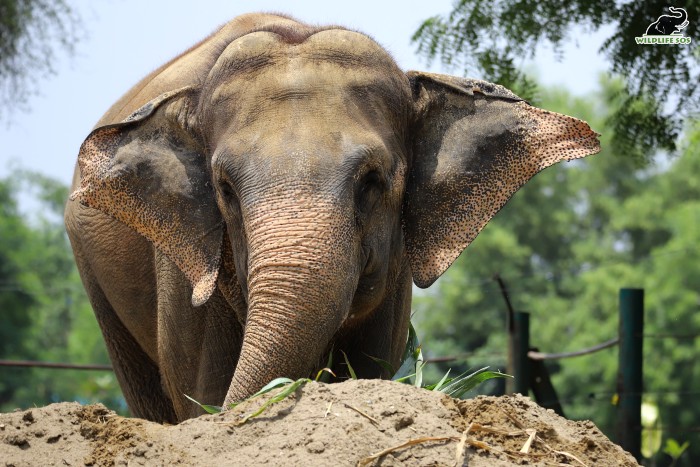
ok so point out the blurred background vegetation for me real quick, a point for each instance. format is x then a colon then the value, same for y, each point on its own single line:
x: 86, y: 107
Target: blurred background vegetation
x: 45, y: 314
x: 574, y: 235
x: 565, y: 244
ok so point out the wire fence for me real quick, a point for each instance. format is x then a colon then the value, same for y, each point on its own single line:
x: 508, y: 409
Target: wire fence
x: 526, y: 364
x: 530, y: 354
x: 54, y: 365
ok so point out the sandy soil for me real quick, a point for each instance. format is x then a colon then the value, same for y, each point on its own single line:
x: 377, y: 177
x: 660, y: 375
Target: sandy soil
x: 365, y: 422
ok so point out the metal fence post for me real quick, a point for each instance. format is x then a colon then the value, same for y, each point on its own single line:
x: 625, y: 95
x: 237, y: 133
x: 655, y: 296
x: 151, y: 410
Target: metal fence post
x: 629, y: 378
x: 520, y: 347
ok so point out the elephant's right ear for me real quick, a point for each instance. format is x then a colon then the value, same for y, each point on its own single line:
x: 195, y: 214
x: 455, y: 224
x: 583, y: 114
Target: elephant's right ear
x: 474, y: 145
x: 150, y: 173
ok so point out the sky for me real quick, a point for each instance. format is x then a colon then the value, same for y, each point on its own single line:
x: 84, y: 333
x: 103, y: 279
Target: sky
x: 126, y: 39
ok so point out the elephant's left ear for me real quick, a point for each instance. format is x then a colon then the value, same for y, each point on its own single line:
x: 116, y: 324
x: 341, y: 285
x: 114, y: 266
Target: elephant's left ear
x: 474, y: 145
x: 150, y: 173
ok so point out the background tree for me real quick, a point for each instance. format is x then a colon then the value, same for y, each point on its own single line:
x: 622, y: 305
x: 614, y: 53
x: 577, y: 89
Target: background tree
x: 14, y: 301
x: 488, y: 38
x: 44, y: 312
x: 31, y: 32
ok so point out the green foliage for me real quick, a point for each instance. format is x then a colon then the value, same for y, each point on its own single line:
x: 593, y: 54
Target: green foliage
x: 675, y: 450
x: 289, y: 386
x: 350, y: 368
x: 565, y: 244
x: 490, y: 39
x: 462, y: 384
x: 412, y: 366
x: 411, y: 360
x: 44, y: 313
x: 30, y: 33
x: 210, y: 409
x: 14, y: 300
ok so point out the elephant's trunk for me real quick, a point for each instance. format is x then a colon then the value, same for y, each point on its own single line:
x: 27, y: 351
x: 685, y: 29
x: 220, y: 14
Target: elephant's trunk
x: 300, y: 283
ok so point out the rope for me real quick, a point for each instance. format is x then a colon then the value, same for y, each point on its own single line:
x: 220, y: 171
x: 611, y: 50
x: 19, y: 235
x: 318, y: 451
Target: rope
x: 61, y: 366
x: 554, y: 356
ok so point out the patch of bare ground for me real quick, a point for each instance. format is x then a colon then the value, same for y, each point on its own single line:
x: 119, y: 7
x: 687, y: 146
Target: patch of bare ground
x: 364, y: 422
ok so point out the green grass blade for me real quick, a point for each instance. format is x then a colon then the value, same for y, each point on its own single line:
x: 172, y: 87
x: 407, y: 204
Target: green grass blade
x: 465, y: 382
x: 212, y: 409
x: 412, y: 356
x: 411, y: 363
x: 411, y: 343
x: 283, y: 394
x: 275, y: 383
x: 436, y: 387
x: 419, y: 369
x: 324, y: 375
x: 406, y: 370
x: 350, y: 369
x: 386, y: 366
x: 404, y: 379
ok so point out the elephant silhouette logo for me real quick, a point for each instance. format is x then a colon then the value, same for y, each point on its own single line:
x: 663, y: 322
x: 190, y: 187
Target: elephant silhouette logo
x: 667, y: 29
x: 669, y: 25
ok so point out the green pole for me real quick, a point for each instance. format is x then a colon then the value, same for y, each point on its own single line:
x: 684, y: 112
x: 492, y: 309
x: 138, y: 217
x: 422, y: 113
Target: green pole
x: 521, y: 346
x: 629, y: 383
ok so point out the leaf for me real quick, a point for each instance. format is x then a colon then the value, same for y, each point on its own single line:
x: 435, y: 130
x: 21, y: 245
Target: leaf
x: 411, y: 343
x: 411, y: 354
x: 439, y: 384
x: 283, y: 394
x: 674, y: 449
x: 464, y: 382
x: 323, y: 375
x: 383, y: 363
x: 404, y: 379
x: 350, y: 369
x: 212, y: 409
x: 419, y: 369
x: 275, y: 383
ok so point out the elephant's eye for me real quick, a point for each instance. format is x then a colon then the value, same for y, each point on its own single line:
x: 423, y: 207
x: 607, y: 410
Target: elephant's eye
x: 230, y: 199
x: 369, y: 190
x: 227, y: 190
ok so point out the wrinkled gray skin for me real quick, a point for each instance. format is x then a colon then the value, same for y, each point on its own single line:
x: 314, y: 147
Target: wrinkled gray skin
x: 270, y: 194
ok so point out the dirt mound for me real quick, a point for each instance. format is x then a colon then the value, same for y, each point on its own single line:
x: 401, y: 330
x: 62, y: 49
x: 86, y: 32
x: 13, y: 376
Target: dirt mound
x: 352, y: 423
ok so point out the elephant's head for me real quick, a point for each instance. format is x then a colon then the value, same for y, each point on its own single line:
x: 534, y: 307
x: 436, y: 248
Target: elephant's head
x: 332, y: 175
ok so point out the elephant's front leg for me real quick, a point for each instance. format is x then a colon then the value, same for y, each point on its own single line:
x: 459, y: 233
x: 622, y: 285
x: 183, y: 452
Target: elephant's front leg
x: 198, y: 347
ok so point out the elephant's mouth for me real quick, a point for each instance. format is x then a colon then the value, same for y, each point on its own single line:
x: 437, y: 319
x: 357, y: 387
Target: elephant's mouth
x: 370, y: 263
x: 370, y: 289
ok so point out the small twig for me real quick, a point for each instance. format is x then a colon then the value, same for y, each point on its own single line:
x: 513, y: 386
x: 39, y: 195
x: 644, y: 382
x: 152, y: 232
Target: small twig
x: 487, y: 429
x: 410, y: 442
x: 373, y: 420
x: 328, y: 410
x: 515, y: 421
x: 540, y: 440
x: 526, y: 447
x: 459, y: 452
x: 569, y: 455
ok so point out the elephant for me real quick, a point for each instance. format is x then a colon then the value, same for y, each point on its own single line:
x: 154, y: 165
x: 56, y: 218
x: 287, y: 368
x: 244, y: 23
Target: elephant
x: 669, y: 24
x: 265, y: 201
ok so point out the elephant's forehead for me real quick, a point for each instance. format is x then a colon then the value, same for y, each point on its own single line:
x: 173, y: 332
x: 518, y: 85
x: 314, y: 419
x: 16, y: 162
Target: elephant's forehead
x: 264, y: 62
x: 341, y: 46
